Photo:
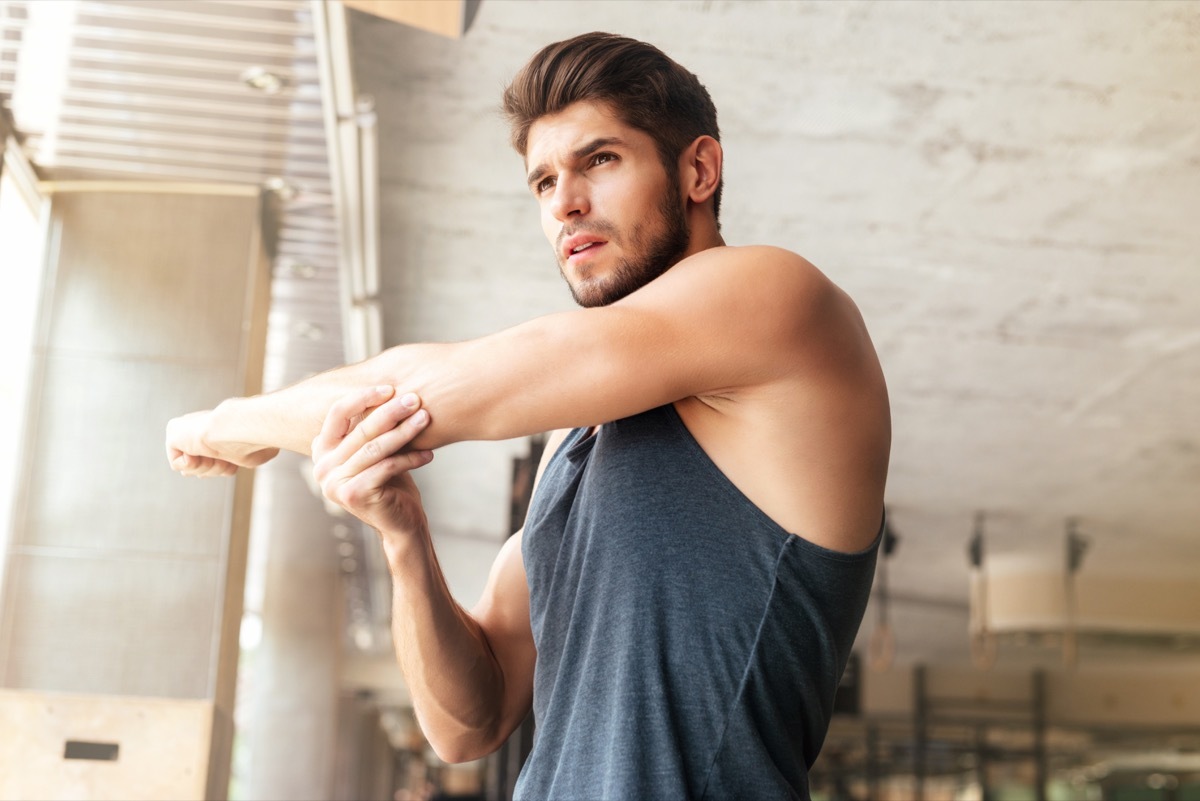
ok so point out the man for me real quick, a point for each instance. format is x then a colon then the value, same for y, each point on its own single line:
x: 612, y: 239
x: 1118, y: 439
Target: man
x: 698, y: 553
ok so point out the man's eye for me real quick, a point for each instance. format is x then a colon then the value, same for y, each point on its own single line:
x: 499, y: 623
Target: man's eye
x: 600, y: 158
x: 544, y: 185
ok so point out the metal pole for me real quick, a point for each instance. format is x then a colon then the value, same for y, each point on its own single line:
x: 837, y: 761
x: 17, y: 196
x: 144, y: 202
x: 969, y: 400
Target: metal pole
x: 981, y: 763
x: 872, y: 761
x: 1039, y: 734
x: 920, y: 730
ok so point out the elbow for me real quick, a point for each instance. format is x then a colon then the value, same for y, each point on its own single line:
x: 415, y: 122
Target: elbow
x: 433, y: 372
x: 457, y: 756
x: 467, y: 748
x: 459, y: 743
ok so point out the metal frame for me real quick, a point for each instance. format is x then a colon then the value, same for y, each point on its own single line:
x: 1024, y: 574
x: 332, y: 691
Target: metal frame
x: 353, y: 160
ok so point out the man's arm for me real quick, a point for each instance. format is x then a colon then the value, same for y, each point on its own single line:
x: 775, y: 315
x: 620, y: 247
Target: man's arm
x: 470, y: 675
x: 722, y: 320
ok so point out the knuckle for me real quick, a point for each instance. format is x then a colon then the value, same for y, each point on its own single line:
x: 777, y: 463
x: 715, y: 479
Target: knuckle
x: 352, y: 495
x: 373, y: 449
x: 322, y: 466
x: 330, y: 490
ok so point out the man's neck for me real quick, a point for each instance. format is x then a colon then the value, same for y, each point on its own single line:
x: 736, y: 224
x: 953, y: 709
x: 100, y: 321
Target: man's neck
x: 704, y: 235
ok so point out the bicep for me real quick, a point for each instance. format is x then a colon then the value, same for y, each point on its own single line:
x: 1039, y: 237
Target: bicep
x: 716, y: 323
x: 726, y: 320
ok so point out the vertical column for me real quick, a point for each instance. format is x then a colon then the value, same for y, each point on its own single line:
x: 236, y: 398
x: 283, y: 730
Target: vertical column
x: 123, y: 587
x: 294, y: 717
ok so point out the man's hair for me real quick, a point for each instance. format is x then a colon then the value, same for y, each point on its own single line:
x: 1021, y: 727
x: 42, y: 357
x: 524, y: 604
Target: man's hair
x: 646, y: 89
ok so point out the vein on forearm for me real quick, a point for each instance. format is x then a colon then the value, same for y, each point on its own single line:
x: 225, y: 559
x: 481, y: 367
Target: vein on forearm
x: 455, y: 681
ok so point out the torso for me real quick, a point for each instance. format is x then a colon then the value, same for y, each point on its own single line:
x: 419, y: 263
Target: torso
x: 660, y: 593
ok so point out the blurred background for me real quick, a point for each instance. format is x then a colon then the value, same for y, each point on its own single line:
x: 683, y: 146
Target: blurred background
x: 207, y: 199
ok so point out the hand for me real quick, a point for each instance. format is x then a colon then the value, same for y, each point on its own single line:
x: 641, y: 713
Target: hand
x: 193, y: 451
x: 361, y: 459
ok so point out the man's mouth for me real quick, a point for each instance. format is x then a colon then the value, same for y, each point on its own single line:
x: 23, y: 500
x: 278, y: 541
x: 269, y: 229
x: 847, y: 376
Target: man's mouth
x: 579, y: 244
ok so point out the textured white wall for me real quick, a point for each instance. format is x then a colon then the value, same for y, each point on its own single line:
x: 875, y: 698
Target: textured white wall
x: 1007, y: 189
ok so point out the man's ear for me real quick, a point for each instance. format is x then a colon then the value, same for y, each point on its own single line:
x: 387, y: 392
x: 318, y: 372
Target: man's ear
x: 700, y: 168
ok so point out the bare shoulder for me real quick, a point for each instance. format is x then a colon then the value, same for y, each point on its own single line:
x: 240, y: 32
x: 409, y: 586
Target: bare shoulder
x: 804, y: 430
x: 749, y: 269
x: 769, y: 309
x: 756, y: 285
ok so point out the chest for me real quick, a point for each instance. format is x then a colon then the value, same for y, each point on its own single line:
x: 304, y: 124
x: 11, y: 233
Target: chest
x: 637, y: 521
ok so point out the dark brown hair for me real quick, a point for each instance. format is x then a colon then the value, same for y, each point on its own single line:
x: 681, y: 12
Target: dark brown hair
x: 646, y: 89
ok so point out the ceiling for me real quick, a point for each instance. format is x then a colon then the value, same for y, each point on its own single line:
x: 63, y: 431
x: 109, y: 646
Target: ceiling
x: 1010, y: 191
x: 156, y: 90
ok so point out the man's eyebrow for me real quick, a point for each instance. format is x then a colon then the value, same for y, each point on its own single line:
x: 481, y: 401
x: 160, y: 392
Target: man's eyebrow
x: 576, y: 154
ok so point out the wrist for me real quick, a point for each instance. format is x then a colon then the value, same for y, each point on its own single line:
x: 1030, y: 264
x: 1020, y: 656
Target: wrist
x: 405, y: 549
x: 222, y: 421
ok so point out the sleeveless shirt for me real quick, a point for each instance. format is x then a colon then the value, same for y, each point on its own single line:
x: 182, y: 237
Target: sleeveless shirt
x: 688, y: 647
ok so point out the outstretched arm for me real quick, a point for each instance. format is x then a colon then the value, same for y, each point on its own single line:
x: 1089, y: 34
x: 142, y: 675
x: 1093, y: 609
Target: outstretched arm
x: 722, y: 320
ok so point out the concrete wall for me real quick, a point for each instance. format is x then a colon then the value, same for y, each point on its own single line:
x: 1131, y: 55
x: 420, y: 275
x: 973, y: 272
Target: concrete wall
x: 123, y: 579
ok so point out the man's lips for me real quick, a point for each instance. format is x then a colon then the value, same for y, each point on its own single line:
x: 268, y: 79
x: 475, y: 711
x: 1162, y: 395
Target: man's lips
x: 578, y: 244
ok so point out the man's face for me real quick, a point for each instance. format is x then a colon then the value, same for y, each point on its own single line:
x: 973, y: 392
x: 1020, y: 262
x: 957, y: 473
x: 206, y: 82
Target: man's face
x: 614, y: 217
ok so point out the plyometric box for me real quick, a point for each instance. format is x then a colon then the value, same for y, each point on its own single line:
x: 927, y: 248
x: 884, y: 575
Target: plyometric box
x: 58, y: 746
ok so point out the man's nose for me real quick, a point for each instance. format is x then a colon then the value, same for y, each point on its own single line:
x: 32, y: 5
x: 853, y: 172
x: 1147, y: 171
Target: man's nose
x: 570, y: 197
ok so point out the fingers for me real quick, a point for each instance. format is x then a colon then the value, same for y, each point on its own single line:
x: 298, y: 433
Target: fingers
x: 361, y: 489
x: 386, y: 444
x: 185, y: 443
x: 398, y: 425
x: 377, y: 422
x: 380, y: 420
x: 342, y: 416
x: 202, y: 466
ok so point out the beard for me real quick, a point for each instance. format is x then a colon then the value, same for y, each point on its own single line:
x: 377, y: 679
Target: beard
x: 652, y: 253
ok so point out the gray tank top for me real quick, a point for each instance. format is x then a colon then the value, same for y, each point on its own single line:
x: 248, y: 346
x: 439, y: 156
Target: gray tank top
x: 687, y: 646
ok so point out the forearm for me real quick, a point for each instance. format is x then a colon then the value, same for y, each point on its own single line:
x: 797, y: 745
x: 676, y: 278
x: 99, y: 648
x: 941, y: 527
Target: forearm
x: 290, y: 418
x: 455, y: 682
